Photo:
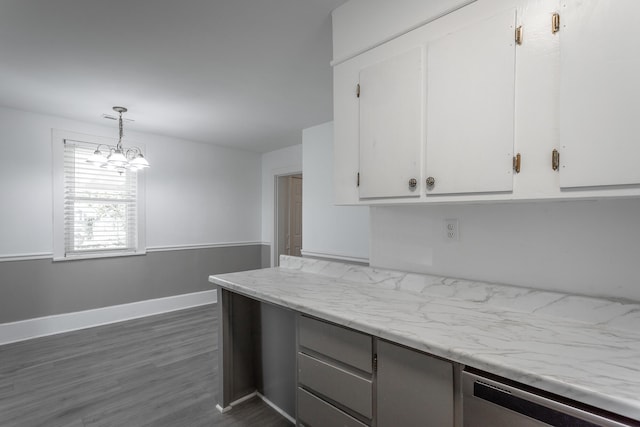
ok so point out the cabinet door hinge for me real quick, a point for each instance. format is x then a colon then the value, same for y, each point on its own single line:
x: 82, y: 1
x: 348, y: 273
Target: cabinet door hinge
x: 519, y: 35
x: 358, y: 91
x: 358, y: 180
x: 516, y: 163
x: 375, y: 363
x: 555, y: 23
x: 555, y: 160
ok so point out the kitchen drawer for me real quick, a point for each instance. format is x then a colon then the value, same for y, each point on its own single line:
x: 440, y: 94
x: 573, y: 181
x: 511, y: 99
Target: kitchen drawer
x: 344, y: 345
x: 337, y: 384
x: 314, y: 412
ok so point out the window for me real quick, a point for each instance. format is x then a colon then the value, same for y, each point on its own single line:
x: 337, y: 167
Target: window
x: 98, y: 210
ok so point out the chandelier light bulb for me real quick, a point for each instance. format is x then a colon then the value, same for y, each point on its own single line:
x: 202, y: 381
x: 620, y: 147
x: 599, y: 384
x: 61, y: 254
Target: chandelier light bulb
x: 97, y: 158
x: 117, y: 159
x: 139, y: 162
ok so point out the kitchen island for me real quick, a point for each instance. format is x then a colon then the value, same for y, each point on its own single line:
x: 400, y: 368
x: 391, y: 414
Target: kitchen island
x: 581, y: 348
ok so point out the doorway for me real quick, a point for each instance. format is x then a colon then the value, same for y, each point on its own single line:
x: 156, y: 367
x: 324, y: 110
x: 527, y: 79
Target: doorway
x: 288, y: 224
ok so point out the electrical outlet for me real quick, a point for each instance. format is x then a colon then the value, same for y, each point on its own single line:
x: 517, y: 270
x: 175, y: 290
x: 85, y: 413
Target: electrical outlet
x: 451, y: 230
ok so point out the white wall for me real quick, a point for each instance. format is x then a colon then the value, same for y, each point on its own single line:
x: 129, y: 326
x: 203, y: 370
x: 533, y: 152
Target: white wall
x: 197, y: 194
x: 583, y: 247
x: 328, y: 230
x: 279, y: 162
x: 201, y: 194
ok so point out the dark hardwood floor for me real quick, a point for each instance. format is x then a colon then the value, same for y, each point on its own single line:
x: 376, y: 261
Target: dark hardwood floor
x: 155, y: 371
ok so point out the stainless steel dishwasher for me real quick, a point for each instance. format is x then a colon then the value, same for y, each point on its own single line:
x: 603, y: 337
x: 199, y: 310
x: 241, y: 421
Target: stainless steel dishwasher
x: 490, y: 403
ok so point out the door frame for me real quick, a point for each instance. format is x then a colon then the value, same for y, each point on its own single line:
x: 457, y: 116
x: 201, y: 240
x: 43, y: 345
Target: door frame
x: 276, y: 213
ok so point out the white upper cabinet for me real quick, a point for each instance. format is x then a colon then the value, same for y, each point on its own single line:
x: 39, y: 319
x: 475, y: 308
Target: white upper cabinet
x: 391, y: 113
x: 470, y: 108
x: 599, y: 93
x: 452, y: 102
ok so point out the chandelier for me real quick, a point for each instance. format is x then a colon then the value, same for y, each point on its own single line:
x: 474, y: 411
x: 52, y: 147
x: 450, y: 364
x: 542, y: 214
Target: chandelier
x: 118, y: 157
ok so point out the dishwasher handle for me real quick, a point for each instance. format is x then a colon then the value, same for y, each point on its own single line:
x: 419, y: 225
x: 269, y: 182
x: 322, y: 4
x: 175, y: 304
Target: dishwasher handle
x: 527, y: 403
x: 527, y: 408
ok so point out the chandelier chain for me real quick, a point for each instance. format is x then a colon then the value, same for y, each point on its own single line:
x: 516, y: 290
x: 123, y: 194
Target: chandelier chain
x: 121, y: 128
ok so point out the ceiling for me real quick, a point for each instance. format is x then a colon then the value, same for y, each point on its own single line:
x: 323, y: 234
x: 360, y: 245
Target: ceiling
x: 249, y: 74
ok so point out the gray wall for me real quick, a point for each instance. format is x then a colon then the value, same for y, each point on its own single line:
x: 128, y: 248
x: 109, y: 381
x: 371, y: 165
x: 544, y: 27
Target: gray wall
x: 39, y: 288
x: 266, y: 256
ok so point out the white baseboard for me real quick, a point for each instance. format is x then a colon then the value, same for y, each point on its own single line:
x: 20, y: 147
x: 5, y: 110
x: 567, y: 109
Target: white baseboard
x: 223, y: 410
x: 264, y: 399
x: 276, y: 408
x: 59, y: 323
x: 235, y: 402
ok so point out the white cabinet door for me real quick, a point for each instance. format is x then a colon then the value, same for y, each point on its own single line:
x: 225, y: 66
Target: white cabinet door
x: 470, y: 108
x: 391, y: 112
x: 599, y: 93
x: 346, y: 152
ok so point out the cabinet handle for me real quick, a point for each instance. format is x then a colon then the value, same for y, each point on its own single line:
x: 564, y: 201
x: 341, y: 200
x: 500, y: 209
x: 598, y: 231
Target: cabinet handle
x: 413, y: 183
x: 431, y: 181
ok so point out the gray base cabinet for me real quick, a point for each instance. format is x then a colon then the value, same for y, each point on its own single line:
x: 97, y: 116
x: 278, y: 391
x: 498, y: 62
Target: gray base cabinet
x: 347, y: 378
x: 313, y: 411
x: 413, y: 388
x: 335, y: 375
x: 337, y: 384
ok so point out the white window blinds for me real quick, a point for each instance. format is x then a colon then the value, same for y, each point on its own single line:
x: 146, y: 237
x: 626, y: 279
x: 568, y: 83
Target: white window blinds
x: 100, y: 204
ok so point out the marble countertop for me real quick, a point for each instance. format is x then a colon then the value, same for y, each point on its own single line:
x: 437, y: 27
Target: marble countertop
x: 583, y: 348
